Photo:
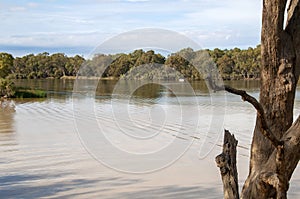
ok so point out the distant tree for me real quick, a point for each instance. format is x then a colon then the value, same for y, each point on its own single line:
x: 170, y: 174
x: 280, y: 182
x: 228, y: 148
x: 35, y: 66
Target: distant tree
x: 187, y: 53
x: 233, y: 64
x: 6, y: 63
x: 7, y: 88
x: 58, y: 64
x: 149, y: 57
x: 119, y: 66
x: 180, y: 64
x: 225, y: 65
x: 216, y: 54
x: 73, y: 64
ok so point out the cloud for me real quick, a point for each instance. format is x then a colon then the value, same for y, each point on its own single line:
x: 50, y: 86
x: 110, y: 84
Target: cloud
x: 53, y: 39
x: 224, y: 38
x: 52, y: 23
x: 20, y: 7
x: 32, y: 4
x: 17, y: 9
x: 137, y: 0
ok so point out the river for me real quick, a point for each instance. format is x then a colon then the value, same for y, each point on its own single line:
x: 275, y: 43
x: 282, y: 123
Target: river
x: 123, y: 140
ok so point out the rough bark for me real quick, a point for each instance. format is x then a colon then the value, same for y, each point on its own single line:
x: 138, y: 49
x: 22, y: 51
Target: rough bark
x: 277, y: 179
x: 275, y: 149
x: 272, y: 181
x: 226, y: 161
x: 279, y: 76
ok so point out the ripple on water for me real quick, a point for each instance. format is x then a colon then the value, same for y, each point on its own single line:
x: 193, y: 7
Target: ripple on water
x: 41, y: 154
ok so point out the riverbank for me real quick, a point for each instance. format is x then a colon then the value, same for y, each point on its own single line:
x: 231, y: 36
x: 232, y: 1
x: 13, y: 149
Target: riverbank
x: 117, y: 78
x: 92, y: 78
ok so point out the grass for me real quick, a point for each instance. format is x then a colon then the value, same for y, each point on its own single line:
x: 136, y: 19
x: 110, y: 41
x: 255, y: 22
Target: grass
x: 29, y: 93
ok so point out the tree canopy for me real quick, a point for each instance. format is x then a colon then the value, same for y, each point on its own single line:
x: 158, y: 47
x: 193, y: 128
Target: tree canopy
x: 232, y: 64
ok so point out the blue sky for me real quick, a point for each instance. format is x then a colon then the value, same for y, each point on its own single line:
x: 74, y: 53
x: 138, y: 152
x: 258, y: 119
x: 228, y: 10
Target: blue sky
x: 78, y: 26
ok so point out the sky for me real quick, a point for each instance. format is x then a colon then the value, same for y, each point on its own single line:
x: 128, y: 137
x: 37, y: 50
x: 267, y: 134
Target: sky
x: 79, y: 26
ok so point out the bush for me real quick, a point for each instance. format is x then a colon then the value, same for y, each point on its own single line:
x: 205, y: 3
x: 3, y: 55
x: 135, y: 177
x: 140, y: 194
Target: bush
x: 7, y: 88
x: 28, y: 93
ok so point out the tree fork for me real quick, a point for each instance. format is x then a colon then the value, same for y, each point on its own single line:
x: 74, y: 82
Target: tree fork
x: 227, y: 160
x: 272, y: 181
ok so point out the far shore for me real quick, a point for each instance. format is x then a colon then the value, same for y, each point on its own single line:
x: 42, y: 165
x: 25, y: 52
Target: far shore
x: 92, y: 78
x: 117, y: 78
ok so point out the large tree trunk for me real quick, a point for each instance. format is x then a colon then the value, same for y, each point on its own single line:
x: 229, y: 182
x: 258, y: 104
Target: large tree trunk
x: 274, y: 158
x: 272, y: 180
x: 279, y: 77
x: 278, y: 80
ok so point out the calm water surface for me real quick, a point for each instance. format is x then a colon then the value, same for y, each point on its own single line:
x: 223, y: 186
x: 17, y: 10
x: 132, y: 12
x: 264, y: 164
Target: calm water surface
x: 48, y: 149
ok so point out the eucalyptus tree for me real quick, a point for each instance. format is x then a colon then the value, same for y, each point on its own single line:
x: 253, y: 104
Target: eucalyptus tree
x: 275, y: 149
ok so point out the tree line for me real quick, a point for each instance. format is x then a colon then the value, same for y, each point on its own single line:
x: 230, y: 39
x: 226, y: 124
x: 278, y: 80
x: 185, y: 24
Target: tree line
x: 232, y: 64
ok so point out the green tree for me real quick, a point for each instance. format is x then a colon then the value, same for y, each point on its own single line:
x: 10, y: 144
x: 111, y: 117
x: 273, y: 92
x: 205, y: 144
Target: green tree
x: 7, y: 88
x: 119, y: 66
x: 6, y: 64
x: 179, y: 63
x: 18, y: 69
x: 58, y: 64
x: 225, y: 65
x: 73, y: 64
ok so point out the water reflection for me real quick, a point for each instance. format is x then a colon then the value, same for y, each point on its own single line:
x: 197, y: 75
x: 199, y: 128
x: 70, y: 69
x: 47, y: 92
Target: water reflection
x: 105, y: 87
x: 41, y: 155
x: 149, y: 91
x: 8, y: 142
x: 249, y: 85
x: 47, y: 84
x: 56, y: 88
x: 7, y: 111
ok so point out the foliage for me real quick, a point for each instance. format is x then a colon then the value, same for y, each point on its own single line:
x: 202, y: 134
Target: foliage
x: 44, y: 65
x: 195, y: 65
x: 6, y: 62
x: 237, y: 63
x: 124, y: 63
x: 7, y: 88
x: 29, y: 93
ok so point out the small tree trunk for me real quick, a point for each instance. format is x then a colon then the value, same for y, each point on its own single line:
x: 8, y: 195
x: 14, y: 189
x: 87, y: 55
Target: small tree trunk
x: 226, y: 161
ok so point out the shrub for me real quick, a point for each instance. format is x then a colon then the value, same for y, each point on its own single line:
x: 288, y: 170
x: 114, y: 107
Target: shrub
x: 7, y: 88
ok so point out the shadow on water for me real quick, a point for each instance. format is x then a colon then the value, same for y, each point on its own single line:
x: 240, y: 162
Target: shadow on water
x: 28, y: 186
x: 62, y: 185
x: 173, y: 192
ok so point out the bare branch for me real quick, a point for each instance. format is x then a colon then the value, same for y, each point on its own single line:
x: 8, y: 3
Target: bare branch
x: 248, y: 98
x: 266, y: 130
